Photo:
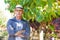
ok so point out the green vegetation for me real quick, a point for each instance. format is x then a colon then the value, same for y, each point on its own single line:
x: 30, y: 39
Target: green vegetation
x: 39, y: 10
x: 43, y: 11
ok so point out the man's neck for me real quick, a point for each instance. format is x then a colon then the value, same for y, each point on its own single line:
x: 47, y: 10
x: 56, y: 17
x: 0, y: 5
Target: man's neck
x: 18, y: 18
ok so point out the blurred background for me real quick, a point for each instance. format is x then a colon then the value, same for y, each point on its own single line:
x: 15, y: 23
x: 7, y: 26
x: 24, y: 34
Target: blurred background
x: 41, y: 15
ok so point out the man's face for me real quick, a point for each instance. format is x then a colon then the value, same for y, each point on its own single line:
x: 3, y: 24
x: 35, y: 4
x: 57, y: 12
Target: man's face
x: 18, y: 12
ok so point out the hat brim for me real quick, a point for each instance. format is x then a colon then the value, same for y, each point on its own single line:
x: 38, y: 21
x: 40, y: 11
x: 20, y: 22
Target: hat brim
x: 19, y: 8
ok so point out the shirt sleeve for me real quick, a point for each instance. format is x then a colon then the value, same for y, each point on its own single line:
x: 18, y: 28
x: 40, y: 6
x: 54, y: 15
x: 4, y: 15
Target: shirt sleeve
x: 27, y: 30
x: 10, y: 29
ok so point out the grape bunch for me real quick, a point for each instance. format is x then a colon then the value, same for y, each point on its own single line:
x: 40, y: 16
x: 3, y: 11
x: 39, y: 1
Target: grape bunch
x: 34, y: 24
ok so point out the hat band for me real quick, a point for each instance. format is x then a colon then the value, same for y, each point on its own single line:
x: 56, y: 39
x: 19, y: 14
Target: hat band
x: 19, y: 7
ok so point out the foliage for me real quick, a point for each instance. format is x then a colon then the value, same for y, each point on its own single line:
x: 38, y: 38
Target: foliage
x: 2, y: 19
x: 39, y: 10
x: 36, y: 9
x: 51, y: 27
x: 3, y: 34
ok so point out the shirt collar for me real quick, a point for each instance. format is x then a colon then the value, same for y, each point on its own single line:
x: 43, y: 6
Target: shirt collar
x: 16, y: 19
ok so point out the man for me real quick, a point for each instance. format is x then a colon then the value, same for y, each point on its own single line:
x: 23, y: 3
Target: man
x: 18, y: 29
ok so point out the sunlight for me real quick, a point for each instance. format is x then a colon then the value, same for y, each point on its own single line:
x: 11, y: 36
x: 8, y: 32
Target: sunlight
x: 6, y: 13
x: 2, y: 5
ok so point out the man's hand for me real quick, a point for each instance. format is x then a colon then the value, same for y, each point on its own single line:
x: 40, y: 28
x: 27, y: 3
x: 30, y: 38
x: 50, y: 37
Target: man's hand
x: 19, y: 33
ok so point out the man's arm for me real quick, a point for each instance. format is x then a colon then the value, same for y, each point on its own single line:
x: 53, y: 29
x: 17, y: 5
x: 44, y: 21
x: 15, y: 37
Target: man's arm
x: 27, y: 31
x: 19, y: 33
x: 10, y: 29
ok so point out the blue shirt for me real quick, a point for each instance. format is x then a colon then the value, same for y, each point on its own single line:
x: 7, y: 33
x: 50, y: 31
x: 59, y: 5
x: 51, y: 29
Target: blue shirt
x: 14, y: 26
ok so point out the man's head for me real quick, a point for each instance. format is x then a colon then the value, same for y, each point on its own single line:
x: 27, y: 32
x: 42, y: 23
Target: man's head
x: 18, y: 11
